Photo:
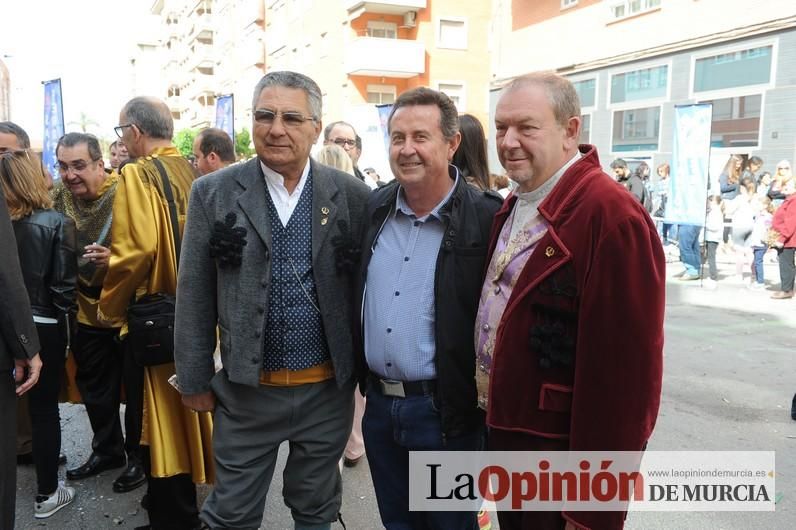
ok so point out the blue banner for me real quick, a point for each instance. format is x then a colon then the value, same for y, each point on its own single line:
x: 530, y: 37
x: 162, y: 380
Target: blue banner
x: 688, y: 182
x: 225, y: 115
x: 384, y: 116
x: 53, y: 124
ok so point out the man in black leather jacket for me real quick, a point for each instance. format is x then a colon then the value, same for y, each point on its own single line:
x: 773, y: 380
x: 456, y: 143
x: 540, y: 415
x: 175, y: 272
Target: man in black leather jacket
x: 421, y: 272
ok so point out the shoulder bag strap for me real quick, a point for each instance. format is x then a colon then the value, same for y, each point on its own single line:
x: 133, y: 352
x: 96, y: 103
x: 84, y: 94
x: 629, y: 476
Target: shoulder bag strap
x: 175, y: 222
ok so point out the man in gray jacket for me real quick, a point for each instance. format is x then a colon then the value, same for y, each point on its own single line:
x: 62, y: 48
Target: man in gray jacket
x: 268, y: 257
x: 19, y: 349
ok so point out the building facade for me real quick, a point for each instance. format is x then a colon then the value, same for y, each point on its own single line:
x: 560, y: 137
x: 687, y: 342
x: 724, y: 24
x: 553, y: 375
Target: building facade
x: 207, y: 48
x: 361, y: 53
x: 366, y: 53
x: 633, y: 61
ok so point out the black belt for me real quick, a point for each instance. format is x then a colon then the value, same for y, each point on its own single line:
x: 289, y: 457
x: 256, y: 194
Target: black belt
x: 393, y: 388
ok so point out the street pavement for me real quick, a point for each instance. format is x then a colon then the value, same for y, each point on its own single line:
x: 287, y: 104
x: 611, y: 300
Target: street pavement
x: 728, y: 382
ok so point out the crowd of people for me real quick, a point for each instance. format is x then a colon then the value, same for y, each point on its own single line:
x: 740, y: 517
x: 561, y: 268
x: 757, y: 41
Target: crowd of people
x: 314, y: 304
x: 750, y: 214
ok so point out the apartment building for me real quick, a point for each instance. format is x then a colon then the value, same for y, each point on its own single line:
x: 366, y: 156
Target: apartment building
x: 207, y: 48
x: 633, y: 61
x: 365, y: 53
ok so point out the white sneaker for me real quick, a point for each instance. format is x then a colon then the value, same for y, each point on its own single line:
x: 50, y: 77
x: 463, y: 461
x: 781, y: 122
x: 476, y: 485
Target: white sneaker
x: 46, y: 505
x: 709, y: 284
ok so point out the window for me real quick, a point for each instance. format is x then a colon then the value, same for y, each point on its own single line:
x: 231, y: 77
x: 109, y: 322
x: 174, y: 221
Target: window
x: 382, y: 30
x: 628, y: 8
x: 381, y: 94
x: 568, y: 3
x: 586, y: 90
x: 585, y: 129
x: 736, y: 121
x: 455, y: 91
x: 648, y: 83
x: 636, y: 129
x: 452, y: 33
x: 734, y: 69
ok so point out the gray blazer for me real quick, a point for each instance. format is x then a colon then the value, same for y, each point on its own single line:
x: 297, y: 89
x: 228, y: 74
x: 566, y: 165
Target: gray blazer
x: 235, y: 298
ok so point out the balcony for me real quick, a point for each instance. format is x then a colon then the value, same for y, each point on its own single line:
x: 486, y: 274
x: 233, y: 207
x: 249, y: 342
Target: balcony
x: 377, y: 57
x: 201, y: 56
x: 202, y: 29
x: 201, y: 84
x: 176, y: 103
x: 398, y: 7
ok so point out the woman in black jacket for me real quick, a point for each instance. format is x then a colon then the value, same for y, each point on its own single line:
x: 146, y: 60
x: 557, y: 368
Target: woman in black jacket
x: 46, y: 245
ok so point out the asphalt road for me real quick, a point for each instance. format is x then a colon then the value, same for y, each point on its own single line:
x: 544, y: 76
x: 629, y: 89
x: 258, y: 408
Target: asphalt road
x: 728, y: 383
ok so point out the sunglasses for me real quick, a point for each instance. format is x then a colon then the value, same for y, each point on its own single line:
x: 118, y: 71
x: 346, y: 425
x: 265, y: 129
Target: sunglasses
x: 289, y: 119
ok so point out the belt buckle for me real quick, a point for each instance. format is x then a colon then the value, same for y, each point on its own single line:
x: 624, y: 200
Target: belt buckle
x: 392, y: 388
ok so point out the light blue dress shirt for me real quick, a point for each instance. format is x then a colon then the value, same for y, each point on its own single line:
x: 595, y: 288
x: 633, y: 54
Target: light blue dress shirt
x: 399, y: 296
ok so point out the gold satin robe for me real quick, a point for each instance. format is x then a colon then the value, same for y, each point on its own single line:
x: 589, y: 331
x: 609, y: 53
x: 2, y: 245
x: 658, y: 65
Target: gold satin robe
x: 143, y: 261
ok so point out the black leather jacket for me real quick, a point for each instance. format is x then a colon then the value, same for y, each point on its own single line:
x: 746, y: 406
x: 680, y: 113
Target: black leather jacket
x: 458, y: 278
x: 46, y: 242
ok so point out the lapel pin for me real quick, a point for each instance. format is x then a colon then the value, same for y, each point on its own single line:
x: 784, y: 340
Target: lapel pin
x: 549, y: 251
x: 324, y: 210
x: 324, y: 221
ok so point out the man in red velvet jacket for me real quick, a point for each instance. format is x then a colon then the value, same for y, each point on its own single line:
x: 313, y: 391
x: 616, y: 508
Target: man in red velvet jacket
x: 569, y: 334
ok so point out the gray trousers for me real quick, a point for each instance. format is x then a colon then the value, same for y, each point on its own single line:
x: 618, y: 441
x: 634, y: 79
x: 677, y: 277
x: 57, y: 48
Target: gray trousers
x: 250, y: 423
x: 8, y: 449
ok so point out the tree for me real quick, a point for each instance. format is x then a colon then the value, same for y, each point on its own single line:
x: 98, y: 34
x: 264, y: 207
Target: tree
x: 183, y: 140
x: 84, y: 122
x: 243, y: 144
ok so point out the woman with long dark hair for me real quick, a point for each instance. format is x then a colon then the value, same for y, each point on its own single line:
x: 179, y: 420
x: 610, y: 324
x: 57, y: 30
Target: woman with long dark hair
x: 46, y: 246
x: 471, y: 157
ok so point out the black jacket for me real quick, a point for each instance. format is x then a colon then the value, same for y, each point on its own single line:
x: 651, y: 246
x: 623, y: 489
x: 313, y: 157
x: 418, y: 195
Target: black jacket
x: 18, y: 337
x: 467, y: 217
x: 46, y: 242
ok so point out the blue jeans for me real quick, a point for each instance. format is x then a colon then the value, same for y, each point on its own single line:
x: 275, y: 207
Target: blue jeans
x: 757, y: 264
x: 689, y: 248
x: 392, y: 427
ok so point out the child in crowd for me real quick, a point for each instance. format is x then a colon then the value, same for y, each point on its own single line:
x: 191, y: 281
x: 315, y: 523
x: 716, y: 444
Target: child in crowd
x: 763, y: 219
x: 714, y: 229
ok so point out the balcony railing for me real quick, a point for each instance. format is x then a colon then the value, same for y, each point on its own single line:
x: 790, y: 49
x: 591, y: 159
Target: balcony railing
x: 397, y: 7
x: 377, y: 57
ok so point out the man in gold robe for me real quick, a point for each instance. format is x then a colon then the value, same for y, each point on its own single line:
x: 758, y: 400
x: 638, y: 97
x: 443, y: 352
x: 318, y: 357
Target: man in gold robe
x: 85, y: 194
x: 176, y: 444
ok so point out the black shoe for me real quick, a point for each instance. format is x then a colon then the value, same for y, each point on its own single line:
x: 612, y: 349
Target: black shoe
x: 133, y: 477
x: 793, y: 408
x: 94, y: 465
x: 27, y: 459
x: 145, y: 501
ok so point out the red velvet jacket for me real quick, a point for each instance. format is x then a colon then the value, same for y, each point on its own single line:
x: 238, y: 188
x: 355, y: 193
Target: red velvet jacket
x: 784, y: 222
x: 578, y: 356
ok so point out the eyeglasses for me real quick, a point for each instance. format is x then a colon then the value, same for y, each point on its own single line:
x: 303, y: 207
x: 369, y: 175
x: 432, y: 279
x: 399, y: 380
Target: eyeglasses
x: 289, y: 119
x: 343, y: 142
x: 783, y: 167
x: 77, y: 165
x: 119, y: 129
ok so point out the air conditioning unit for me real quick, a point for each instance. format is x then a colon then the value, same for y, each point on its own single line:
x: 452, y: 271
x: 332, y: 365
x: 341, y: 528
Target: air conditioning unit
x: 410, y: 18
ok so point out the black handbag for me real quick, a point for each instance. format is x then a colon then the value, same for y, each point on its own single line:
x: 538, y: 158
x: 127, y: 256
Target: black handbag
x: 150, y: 319
x: 150, y: 329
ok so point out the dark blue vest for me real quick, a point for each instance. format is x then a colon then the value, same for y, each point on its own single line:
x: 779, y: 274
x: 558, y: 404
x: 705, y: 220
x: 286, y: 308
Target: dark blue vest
x: 294, y: 337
